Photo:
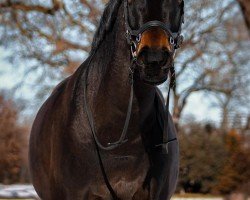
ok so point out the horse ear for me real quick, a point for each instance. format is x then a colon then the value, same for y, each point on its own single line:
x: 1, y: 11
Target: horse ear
x: 182, y: 6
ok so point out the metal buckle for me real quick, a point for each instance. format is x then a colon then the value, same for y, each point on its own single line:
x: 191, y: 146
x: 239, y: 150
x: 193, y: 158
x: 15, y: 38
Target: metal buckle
x: 171, y: 40
x: 165, y: 144
x: 133, y: 49
x: 138, y: 38
x: 117, y: 143
x: 179, y: 42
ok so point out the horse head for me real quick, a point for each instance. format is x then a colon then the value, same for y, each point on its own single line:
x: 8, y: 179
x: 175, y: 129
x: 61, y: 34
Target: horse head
x: 154, y: 32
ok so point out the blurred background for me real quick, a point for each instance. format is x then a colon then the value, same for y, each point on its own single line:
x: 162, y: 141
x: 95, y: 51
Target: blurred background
x: 42, y: 42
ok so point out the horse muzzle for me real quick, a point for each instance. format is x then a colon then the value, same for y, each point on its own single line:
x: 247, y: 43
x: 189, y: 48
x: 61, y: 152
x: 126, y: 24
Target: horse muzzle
x: 154, y: 55
x: 154, y: 65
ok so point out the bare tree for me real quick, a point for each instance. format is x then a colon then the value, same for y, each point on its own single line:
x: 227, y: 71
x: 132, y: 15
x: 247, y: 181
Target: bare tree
x: 55, y: 36
x: 49, y: 33
x: 13, y: 144
x: 214, y: 54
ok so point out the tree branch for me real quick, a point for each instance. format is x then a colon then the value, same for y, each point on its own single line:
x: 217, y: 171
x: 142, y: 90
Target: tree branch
x: 29, y: 8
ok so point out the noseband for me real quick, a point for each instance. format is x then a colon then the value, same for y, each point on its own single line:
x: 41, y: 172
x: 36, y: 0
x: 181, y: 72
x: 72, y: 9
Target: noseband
x: 134, y: 36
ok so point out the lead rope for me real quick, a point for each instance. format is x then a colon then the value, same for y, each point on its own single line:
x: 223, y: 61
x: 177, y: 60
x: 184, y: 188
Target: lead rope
x: 122, y: 140
x: 112, y: 192
x: 172, y: 85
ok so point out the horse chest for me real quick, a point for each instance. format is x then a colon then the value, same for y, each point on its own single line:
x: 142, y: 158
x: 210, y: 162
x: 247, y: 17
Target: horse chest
x: 128, y: 161
x: 126, y: 168
x: 126, y: 175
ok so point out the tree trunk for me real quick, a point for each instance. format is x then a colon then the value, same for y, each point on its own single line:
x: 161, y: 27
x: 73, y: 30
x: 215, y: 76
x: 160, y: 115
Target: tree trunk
x: 224, y: 121
x: 179, y: 105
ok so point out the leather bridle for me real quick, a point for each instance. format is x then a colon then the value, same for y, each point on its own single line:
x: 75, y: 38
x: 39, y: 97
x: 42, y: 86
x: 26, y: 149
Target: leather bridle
x: 133, y: 38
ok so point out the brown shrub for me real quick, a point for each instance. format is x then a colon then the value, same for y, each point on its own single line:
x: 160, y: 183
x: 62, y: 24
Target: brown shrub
x: 13, y: 144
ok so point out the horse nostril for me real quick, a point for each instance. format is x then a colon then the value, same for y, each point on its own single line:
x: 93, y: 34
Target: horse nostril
x: 154, y: 57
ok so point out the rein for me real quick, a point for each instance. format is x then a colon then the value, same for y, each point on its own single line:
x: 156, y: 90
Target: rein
x: 122, y: 140
x: 133, y: 38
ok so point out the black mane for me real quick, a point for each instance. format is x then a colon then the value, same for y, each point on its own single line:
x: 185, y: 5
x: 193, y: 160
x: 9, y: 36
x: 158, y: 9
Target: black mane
x: 106, y: 23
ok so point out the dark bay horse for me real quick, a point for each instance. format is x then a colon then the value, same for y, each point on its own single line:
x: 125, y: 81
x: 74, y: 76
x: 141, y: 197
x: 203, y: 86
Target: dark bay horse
x: 132, y: 52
